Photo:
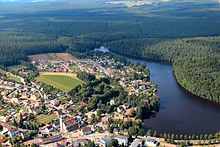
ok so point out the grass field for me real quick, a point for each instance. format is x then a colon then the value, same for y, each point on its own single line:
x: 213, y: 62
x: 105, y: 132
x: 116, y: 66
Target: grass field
x: 15, y: 68
x: 16, y: 79
x: 45, y: 119
x: 62, y: 81
x: 74, y: 67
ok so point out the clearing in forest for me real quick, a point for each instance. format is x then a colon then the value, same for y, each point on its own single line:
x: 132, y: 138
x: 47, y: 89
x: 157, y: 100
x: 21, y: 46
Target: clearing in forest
x: 53, y: 57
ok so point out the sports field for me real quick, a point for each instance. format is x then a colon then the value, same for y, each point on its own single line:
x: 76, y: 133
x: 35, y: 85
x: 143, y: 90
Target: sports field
x: 62, y: 81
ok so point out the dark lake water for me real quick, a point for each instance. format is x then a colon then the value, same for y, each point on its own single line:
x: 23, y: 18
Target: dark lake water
x: 180, y: 112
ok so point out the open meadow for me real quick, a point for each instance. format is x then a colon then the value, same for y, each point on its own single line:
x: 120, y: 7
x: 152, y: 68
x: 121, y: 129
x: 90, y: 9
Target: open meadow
x: 62, y: 81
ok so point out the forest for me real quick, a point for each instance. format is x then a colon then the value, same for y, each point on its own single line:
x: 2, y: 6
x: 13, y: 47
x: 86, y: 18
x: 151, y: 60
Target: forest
x: 165, y: 32
x: 195, y: 60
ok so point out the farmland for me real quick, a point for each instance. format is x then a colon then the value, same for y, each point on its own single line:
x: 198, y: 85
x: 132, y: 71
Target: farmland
x: 52, y: 57
x: 62, y: 81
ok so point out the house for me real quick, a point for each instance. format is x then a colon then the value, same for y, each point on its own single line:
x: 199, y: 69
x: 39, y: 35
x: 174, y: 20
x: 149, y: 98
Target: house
x: 151, y: 143
x: 120, y: 132
x: 52, y: 139
x: 122, y: 140
x: 70, y: 124
x: 15, y: 100
x: 60, y: 94
x: 55, y: 102
x: 112, y: 102
x: 65, y: 142
x: 136, y: 143
x: 3, y: 140
x: 126, y: 105
x: 105, y: 119
x: 59, y: 113
x: 49, y: 129
x: 85, y: 131
x: 80, y: 142
x: 13, y: 132
x: 56, y: 125
x: 121, y: 109
x: 129, y: 112
x: 142, y: 87
x: 90, y: 120
x: 4, y: 118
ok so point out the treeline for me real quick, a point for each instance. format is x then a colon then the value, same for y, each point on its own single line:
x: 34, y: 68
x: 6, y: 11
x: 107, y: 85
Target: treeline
x: 188, y: 140
x: 15, y: 46
x: 195, y: 61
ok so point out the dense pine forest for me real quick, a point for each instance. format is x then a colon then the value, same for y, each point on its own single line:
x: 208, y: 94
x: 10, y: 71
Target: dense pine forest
x: 196, y: 61
x: 184, y: 34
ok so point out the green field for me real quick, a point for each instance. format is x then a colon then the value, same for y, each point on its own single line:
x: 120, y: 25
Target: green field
x: 64, y: 83
x: 45, y: 119
x: 15, y: 68
x: 16, y: 79
x: 74, y: 67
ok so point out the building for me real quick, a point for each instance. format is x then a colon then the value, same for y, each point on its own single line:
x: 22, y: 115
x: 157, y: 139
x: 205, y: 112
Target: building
x: 152, y: 143
x: 67, y: 125
x: 80, y: 142
x: 136, y: 143
x: 85, y: 131
x: 4, y: 118
x: 49, y: 129
x: 52, y: 139
x: 105, y: 119
x: 122, y: 140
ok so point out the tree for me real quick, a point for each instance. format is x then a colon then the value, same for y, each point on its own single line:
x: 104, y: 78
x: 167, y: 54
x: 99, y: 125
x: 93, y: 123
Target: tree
x: 110, y: 128
x: 100, y: 129
x: 193, y: 137
x: 165, y: 136
x: 185, y: 137
x: 114, y: 143
x: 142, y: 132
x: 172, y: 138
x: 155, y: 133
x: 149, y: 133
x: 141, y: 112
x: 132, y: 130
x: 1, y: 127
x: 90, y: 144
x: 181, y: 136
x: 130, y: 139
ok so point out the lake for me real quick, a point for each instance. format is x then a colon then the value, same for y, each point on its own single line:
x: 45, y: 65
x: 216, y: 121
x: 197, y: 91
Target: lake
x: 180, y: 112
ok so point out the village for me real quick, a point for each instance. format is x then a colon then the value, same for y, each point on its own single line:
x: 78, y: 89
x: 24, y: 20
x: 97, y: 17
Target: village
x: 33, y: 116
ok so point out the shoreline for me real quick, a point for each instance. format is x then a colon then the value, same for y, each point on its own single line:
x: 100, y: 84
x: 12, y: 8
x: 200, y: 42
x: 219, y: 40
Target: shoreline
x: 166, y: 63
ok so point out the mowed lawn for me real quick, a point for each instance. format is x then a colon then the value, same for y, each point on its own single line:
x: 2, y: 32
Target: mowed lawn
x: 62, y: 82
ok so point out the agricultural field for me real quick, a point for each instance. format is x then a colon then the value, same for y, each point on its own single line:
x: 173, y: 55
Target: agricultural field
x: 52, y: 57
x: 62, y: 81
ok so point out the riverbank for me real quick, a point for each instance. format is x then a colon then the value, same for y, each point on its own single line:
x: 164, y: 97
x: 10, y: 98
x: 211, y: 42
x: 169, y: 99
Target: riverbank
x: 180, y: 111
x: 168, y: 63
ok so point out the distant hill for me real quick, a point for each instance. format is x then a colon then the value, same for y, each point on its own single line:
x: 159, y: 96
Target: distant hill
x: 31, y: 1
x: 132, y: 3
